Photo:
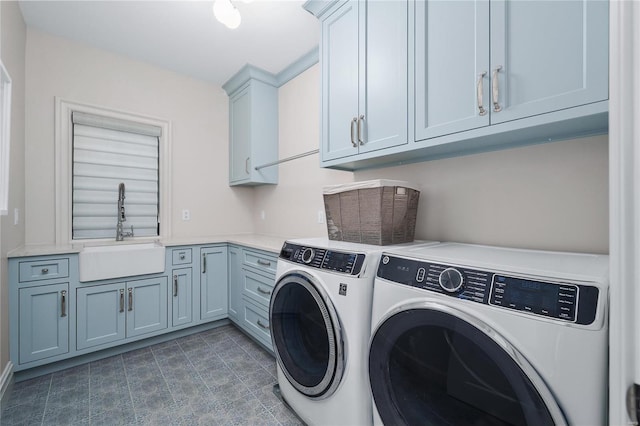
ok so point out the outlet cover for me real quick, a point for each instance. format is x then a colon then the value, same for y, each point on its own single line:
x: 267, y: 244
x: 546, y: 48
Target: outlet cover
x: 186, y: 215
x: 321, y: 216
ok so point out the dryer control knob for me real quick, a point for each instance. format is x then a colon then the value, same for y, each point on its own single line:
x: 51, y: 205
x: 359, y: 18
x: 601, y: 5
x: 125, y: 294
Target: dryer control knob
x: 451, y: 280
x: 308, y: 254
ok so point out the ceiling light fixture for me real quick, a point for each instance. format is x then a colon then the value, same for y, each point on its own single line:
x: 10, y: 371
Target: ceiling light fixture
x: 226, y: 13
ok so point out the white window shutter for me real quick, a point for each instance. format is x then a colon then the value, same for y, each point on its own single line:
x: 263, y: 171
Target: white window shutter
x: 104, y: 157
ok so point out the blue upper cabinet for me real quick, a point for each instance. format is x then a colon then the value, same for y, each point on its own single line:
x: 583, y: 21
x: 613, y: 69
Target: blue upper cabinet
x: 478, y: 75
x: 481, y: 63
x: 364, y: 63
x: 547, y: 56
x: 451, y: 67
x: 253, y: 127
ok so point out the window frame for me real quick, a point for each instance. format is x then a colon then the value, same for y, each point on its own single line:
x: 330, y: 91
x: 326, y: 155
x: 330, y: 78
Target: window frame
x: 64, y: 169
x: 5, y: 139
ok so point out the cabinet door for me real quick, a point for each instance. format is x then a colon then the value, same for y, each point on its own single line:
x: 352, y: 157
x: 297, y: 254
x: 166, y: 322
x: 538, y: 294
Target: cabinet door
x: 213, y: 283
x: 101, y: 314
x: 339, y: 57
x: 383, y: 74
x: 552, y: 55
x: 240, y: 135
x: 146, y: 306
x: 44, y: 321
x: 451, y: 67
x: 235, y: 283
x: 182, y: 296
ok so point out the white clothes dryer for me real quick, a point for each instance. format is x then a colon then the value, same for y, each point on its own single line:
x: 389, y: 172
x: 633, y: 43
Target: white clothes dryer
x: 477, y: 335
x: 320, y: 321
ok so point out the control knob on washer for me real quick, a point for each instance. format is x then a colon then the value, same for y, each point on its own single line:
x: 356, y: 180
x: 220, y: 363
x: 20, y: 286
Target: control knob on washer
x: 308, y: 254
x: 451, y: 280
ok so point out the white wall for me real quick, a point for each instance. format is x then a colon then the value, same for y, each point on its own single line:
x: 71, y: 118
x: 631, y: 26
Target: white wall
x: 291, y: 207
x: 197, y: 110
x: 552, y: 196
x: 12, y: 50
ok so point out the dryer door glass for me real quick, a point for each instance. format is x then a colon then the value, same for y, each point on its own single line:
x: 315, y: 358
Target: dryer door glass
x: 304, y: 330
x: 429, y: 367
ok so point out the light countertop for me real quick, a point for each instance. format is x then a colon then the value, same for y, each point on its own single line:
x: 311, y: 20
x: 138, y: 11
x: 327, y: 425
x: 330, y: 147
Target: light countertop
x: 261, y: 242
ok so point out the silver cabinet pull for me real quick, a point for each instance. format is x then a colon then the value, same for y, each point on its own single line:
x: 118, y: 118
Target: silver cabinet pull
x: 204, y: 263
x: 175, y: 286
x: 121, y: 300
x: 266, y: 327
x: 261, y: 290
x: 263, y: 262
x: 246, y: 165
x: 479, y: 88
x: 130, y: 300
x: 45, y: 271
x: 353, y: 141
x: 360, y: 131
x: 494, y: 89
x: 63, y: 304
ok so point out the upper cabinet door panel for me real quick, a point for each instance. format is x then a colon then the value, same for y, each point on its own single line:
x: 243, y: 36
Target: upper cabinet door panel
x: 553, y: 55
x: 339, y: 55
x: 451, y: 67
x: 239, y: 118
x: 383, y: 41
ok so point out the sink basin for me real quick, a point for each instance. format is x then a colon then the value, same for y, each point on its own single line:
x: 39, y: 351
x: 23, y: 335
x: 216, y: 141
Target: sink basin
x: 121, y: 260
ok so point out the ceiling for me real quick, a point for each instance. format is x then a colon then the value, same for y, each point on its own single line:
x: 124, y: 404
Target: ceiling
x: 184, y: 36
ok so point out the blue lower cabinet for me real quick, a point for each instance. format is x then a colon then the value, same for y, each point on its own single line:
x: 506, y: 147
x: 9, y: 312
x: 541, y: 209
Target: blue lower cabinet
x: 108, y: 313
x: 43, y: 322
x: 213, y: 283
x: 181, y: 296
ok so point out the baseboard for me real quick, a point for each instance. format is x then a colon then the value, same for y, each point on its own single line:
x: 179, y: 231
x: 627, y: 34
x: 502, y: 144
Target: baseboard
x: 6, y: 383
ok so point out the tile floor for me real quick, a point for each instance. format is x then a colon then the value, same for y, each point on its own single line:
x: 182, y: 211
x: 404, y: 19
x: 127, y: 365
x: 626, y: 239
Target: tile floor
x: 217, y: 377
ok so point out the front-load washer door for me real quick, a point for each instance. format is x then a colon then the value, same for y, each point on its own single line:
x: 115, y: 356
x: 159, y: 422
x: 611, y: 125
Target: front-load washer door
x: 434, y: 365
x: 306, y: 335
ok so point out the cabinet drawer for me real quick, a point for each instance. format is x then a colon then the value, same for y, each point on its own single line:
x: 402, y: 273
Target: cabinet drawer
x: 257, y: 287
x: 256, y: 321
x: 181, y: 256
x: 43, y: 269
x: 263, y: 261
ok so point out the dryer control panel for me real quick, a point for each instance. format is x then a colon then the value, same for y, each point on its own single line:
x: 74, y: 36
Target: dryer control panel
x: 563, y: 301
x: 320, y: 258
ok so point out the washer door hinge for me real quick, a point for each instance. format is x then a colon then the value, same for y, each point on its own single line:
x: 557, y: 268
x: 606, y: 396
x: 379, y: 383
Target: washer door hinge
x: 633, y: 402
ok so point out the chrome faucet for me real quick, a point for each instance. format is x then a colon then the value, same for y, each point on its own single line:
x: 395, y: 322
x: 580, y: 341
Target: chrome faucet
x: 121, y: 216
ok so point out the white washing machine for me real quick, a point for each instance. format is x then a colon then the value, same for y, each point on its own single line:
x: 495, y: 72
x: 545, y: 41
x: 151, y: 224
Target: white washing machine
x: 320, y: 320
x: 478, y: 335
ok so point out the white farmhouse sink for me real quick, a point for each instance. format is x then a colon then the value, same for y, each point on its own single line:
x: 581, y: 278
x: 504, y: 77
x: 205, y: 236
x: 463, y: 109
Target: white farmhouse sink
x: 121, y: 260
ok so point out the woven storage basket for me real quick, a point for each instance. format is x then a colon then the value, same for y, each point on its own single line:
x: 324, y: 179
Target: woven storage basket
x: 378, y: 212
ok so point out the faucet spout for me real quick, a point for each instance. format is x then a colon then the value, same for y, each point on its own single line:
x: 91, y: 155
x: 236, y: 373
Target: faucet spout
x: 121, y: 216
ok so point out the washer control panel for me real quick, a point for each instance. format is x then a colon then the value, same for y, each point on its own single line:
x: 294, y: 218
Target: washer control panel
x: 558, y: 300
x: 337, y: 261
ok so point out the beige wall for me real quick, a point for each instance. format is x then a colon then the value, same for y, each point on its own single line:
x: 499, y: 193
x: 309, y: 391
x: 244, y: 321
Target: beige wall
x: 291, y: 207
x: 552, y: 196
x: 198, y: 112
x: 12, y: 51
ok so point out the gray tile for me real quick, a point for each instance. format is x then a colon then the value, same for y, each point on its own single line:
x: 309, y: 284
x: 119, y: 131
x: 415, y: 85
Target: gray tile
x: 32, y: 391
x: 113, y: 418
x: 24, y: 414
x: 285, y: 416
x: 67, y: 416
x: 243, y: 366
x: 266, y: 396
x: 70, y: 378
x: 68, y: 398
x: 230, y: 393
x: 258, y: 378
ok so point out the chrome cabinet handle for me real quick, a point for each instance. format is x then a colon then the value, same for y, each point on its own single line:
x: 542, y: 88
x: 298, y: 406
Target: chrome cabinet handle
x: 479, y: 88
x: 360, y: 121
x: 121, y: 300
x: 261, y: 290
x: 353, y: 141
x: 204, y: 263
x: 130, y: 299
x: 45, y: 271
x: 246, y: 165
x: 263, y: 262
x: 63, y: 304
x: 266, y: 327
x: 494, y: 89
x: 175, y: 286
